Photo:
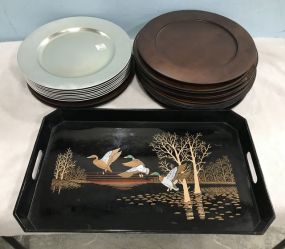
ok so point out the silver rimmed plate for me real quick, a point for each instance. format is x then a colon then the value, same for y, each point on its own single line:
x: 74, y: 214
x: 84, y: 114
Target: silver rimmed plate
x: 99, y: 87
x: 74, y: 53
x: 90, y: 94
x: 80, y: 97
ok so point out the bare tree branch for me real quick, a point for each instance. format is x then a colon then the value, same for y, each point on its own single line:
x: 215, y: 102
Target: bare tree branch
x: 199, y: 150
x: 169, y: 146
x: 164, y: 166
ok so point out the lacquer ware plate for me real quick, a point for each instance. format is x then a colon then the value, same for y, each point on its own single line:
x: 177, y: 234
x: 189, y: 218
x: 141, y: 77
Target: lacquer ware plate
x: 147, y: 171
x: 195, y: 59
x: 188, y: 87
x: 196, y: 47
x: 223, y: 94
x: 74, y: 53
x: 189, y: 103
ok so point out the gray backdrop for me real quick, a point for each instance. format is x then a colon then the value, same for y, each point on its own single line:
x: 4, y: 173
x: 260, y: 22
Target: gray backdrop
x: 19, y: 17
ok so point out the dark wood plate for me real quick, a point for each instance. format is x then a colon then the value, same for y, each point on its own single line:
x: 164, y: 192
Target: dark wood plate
x: 171, y: 101
x: 182, y: 87
x: 196, y: 47
x: 195, y: 96
x: 175, y: 105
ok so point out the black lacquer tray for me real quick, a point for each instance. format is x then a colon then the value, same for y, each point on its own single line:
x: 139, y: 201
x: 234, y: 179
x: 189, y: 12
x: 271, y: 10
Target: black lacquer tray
x: 152, y: 171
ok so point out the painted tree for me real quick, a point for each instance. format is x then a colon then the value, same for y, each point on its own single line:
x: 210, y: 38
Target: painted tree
x: 76, y: 174
x: 64, y: 164
x: 171, y: 148
x: 197, y: 150
x: 66, y: 174
x: 220, y: 171
x: 58, y: 166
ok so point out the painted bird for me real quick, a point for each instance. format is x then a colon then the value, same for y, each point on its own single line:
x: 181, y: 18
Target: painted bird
x: 136, y: 167
x: 106, y: 161
x: 182, y: 172
x: 169, y: 180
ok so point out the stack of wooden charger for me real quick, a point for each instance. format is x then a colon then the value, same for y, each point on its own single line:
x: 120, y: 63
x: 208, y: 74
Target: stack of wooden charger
x: 195, y: 59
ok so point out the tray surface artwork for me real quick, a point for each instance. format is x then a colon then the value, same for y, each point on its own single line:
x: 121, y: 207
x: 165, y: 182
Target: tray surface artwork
x: 161, y: 171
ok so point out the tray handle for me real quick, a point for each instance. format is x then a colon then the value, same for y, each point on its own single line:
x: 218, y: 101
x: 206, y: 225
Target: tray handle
x: 251, y: 164
x: 26, y: 194
x: 259, y: 189
x: 37, y: 164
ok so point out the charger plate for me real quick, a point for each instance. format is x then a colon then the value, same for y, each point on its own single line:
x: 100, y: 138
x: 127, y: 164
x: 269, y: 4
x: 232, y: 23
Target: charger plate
x: 203, y: 97
x: 187, y: 103
x: 81, y: 96
x: 175, y: 85
x: 196, y: 47
x: 74, y: 53
x: 96, y: 101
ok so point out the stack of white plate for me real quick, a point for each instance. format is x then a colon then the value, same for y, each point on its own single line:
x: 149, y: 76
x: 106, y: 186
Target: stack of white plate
x: 76, y: 59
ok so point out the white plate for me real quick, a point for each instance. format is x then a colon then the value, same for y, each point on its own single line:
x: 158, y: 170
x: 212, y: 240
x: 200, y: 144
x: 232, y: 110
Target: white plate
x: 74, y: 53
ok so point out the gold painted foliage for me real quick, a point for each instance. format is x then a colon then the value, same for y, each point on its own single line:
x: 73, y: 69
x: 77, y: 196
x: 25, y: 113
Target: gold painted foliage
x: 219, y: 171
x: 64, y: 164
x: 187, y: 152
x: 67, y: 175
x: 76, y: 174
x: 170, y: 146
x: 189, y: 149
x: 58, y: 185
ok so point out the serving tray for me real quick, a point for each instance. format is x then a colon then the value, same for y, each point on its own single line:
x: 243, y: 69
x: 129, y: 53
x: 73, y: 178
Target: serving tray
x: 151, y: 171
